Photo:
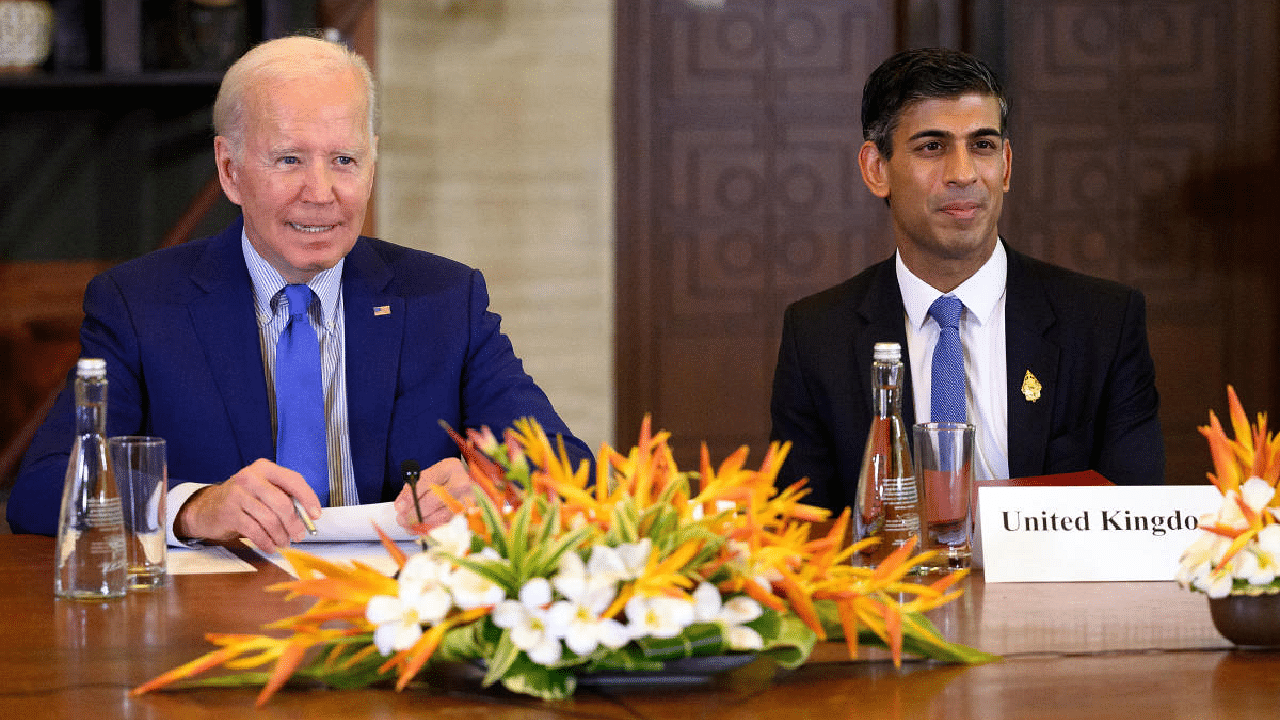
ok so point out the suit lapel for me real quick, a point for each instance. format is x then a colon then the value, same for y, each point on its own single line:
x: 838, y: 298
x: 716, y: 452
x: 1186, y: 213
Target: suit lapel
x: 375, y: 323
x: 1028, y: 317
x: 228, y: 332
x: 883, y: 313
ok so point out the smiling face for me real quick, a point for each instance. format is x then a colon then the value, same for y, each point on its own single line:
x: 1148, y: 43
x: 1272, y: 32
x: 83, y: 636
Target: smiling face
x: 304, y: 171
x: 945, y: 183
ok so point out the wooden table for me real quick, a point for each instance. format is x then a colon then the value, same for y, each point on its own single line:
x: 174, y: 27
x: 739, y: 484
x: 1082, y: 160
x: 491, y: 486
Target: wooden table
x: 1081, y: 650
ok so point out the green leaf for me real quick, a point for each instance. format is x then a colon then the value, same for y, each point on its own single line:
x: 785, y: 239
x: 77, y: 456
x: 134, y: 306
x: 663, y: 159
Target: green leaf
x: 529, y: 678
x: 518, y: 538
x: 492, y: 521
x: 628, y: 658
x: 499, y: 663
x: 495, y: 571
x: 547, y: 557
x: 787, y: 640
x: 648, y: 654
x: 625, y: 524
x: 919, y: 637
x: 468, y: 642
x: 699, y: 639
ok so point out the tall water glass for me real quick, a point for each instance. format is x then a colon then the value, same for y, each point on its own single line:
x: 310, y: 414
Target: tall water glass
x: 943, y: 454
x: 141, y: 472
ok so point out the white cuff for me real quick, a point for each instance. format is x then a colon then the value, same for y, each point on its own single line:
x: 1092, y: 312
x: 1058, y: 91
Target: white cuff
x: 173, y: 502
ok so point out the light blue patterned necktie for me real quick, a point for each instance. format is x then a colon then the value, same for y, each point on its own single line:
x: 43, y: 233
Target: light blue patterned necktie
x: 300, y: 423
x: 947, y: 403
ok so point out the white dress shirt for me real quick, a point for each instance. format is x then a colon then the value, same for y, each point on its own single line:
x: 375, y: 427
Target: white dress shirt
x: 982, y: 335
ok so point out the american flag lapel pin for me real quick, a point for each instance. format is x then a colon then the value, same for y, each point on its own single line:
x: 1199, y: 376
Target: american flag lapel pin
x: 381, y: 310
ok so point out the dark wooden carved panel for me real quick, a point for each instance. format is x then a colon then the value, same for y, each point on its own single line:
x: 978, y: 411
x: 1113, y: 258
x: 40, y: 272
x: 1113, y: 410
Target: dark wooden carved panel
x: 739, y: 192
x: 1125, y: 114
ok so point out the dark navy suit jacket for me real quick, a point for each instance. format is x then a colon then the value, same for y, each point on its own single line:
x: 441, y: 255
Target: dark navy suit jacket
x: 178, y: 332
x: 1084, y: 339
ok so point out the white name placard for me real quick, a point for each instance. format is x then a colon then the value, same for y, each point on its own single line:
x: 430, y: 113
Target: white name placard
x: 1089, y: 533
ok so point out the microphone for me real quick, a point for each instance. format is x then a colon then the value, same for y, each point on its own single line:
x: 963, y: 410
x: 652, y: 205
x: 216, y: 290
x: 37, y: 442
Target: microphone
x: 409, y: 470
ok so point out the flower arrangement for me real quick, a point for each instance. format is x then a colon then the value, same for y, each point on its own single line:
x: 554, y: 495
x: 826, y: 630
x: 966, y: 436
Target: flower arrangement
x: 546, y: 576
x: 1238, y: 552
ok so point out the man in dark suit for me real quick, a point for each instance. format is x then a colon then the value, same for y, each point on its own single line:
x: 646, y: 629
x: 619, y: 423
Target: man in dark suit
x: 1057, y: 371
x: 190, y: 333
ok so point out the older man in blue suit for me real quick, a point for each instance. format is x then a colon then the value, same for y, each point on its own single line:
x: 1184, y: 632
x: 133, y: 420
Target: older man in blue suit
x: 190, y: 333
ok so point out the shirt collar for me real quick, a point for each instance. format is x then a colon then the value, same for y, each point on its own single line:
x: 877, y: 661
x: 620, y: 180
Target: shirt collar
x: 980, y: 293
x: 268, y: 283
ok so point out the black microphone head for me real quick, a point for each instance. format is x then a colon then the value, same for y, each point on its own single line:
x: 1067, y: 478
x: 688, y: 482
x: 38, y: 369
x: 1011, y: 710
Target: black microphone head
x: 409, y: 466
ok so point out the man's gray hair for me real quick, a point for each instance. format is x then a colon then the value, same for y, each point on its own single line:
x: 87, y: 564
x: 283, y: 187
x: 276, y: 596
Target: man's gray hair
x: 287, y: 58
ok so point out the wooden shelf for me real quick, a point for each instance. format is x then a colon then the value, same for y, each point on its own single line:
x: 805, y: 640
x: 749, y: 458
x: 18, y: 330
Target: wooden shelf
x: 83, y: 79
x: 109, y: 38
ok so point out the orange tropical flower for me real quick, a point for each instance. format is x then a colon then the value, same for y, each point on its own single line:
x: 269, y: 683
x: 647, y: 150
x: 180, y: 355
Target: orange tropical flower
x: 637, y: 529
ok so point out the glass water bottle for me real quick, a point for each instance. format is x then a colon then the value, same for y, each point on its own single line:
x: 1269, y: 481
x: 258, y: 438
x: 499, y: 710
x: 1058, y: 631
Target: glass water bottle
x: 888, y: 504
x: 90, y: 554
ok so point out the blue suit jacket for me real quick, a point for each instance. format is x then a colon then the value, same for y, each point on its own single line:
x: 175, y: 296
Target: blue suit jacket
x: 1084, y: 338
x: 178, y: 332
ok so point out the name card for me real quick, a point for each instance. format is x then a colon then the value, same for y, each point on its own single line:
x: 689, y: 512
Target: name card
x: 1067, y: 534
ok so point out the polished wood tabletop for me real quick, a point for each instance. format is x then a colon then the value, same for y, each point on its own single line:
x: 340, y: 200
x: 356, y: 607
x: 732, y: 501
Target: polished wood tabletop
x: 1070, y: 650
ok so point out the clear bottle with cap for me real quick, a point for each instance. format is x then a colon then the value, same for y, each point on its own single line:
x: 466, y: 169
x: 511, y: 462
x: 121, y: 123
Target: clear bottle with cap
x: 888, y: 502
x: 90, y: 555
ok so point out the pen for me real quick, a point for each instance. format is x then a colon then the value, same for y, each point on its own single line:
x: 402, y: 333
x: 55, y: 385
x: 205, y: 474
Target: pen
x: 302, y: 515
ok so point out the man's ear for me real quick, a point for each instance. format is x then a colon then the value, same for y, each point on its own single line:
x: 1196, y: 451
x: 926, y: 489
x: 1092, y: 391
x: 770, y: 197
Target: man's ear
x: 228, y: 171
x: 875, y: 169
x: 1008, y: 163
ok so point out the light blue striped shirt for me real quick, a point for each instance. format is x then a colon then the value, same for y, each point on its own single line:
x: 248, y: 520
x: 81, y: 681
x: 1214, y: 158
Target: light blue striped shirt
x: 327, y: 318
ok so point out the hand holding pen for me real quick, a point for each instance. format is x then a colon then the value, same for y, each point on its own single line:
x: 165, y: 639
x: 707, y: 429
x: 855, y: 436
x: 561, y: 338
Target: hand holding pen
x: 449, y: 473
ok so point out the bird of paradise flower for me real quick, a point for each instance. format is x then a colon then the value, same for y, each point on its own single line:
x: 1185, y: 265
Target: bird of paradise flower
x: 1246, y: 470
x: 632, y: 558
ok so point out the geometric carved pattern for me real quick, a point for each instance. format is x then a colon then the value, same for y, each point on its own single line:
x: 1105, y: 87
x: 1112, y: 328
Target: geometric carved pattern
x: 1126, y: 115
x: 754, y: 198
x: 760, y: 192
x: 1118, y: 106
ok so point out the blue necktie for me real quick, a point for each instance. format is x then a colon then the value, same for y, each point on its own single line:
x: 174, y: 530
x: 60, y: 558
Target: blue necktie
x: 300, y: 422
x: 947, y: 401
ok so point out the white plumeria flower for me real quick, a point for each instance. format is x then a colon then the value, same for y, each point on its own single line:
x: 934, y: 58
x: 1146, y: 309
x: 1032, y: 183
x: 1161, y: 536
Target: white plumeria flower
x: 1251, y: 568
x: 579, y: 614
x: 527, y: 618
x: 471, y: 589
x: 614, y: 565
x: 1257, y: 493
x: 1216, y: 587
x: 730, y: 616
x: 424, y: 574
x: 1229, y: 513
x: 659, y: 617
x: 453, y: 537
x: 422, y: 600
x: 1196, y: 561
x: 1269, y: 543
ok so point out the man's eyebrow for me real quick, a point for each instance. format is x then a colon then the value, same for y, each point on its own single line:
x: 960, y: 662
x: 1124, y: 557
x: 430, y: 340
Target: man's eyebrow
x: 980, y: 132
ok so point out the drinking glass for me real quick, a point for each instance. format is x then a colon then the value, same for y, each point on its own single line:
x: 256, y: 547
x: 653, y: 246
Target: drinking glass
x: 943, y: 453
x: 141, y: 473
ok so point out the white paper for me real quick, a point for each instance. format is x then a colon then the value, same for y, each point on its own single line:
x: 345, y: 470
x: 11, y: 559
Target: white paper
x: 1089, y: 533
x: 354, y: 523
x: 205, y: 559
x: 372, y: 554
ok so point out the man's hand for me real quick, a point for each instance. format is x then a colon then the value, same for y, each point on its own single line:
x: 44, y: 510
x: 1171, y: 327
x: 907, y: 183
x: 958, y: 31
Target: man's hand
x: 256, y: 503
x: 451, y: 474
